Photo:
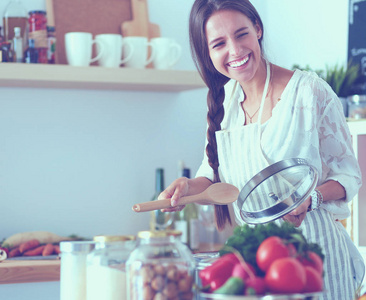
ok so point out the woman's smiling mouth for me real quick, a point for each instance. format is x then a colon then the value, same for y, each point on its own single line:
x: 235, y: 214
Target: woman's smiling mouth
x: 238, y: 63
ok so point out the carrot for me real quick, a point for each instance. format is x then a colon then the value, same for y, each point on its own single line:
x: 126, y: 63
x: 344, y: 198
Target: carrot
x: 57, y: 249
x: 14, y: 252
x: 48, y: 250
x: 31, y: 244
x: 35, y: 251
x: 44, y: 237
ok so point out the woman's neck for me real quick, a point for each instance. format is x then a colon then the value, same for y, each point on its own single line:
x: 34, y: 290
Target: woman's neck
x: 253, y: 89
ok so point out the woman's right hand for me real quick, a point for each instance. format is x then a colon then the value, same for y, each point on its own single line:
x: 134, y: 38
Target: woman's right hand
x: 178, y: 188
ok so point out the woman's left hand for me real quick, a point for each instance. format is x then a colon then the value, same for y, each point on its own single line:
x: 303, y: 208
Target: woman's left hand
x: 298, y: 215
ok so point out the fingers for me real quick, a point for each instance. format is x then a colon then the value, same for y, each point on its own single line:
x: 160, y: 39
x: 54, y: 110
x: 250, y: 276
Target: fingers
x: 173, y: 209
x: 295, y: 220
x: 175, y: 191
x: 303, y: 208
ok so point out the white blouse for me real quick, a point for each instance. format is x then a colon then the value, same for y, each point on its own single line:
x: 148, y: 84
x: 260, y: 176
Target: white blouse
x: 308, y: 123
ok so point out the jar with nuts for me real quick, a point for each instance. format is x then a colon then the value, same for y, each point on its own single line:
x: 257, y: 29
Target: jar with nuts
x: 106, y: 267
x: 160, y: 268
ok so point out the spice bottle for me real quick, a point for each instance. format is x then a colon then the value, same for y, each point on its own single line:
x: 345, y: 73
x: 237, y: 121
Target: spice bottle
x: 51, y: 44
x: 73, y: 269
x: 18, y: 45
x: 31, y: 54
x: 38, y: 32
x: 161, y: 267
x: 106, y: 267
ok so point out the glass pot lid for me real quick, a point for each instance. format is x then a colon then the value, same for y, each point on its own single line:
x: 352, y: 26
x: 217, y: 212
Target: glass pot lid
x: 276, y: 190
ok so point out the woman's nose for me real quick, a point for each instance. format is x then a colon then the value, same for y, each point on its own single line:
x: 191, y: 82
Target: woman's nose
x: 234, y: 48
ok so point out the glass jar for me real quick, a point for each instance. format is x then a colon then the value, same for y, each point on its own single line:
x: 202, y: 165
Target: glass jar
x: 38, y: 32
x: 357, y: 107
x: 161, y: 267
x: 73, y: 269
x: 106, y: 272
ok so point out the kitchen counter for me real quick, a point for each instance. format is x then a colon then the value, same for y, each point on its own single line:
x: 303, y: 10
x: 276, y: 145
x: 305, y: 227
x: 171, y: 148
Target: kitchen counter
x: 23, y: 271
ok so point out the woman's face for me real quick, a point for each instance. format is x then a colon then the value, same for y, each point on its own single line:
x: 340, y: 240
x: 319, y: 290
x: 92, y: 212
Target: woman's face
x: 233, y: 45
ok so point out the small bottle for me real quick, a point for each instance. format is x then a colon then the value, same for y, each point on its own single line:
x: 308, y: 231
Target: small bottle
x: 160, y: 220
x: 18, y: 45
x: 187, y: 221
x: 51, y: 44
x: 31, y: 54
x: 2, y: 39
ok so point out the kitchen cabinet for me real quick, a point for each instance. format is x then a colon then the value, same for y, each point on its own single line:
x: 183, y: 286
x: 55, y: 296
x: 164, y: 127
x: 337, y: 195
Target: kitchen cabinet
x: 95, y: 77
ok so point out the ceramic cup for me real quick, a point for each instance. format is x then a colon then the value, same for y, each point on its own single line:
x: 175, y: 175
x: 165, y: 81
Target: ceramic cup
x: 112, y: 55
x: 168, y: 52
x: 140, y: 45
x: 78, y: 46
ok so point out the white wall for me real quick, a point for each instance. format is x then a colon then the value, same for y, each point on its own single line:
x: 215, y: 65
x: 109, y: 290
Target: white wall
x: 75, y: 161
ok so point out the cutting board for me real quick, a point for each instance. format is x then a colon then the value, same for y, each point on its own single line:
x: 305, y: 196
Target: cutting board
x: 92, y: 16
x: 140, y: 25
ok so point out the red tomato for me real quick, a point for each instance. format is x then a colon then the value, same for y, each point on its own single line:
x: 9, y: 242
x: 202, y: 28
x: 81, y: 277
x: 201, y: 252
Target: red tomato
x: 269, y: 250
x: 242, y: 271
x: 312, y: 259
x: 255, y: 286
x: 314, y: 281
x: 286, y: 275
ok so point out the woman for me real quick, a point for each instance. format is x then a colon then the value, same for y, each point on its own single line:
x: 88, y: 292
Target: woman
x: 260, y: 113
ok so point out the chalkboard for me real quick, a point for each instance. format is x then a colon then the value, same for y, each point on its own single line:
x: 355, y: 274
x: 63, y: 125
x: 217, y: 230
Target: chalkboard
x: 357, y: 42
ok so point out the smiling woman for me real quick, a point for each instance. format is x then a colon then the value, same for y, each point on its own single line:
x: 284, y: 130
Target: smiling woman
x: 249, y: 129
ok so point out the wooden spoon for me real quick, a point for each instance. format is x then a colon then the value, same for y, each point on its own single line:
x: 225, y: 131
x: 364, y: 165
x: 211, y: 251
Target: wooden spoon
x: 218, y: 193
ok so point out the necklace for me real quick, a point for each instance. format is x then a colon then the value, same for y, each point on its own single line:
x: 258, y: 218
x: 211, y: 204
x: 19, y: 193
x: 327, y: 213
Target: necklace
x: 251, y: 117
x: 270, y: 86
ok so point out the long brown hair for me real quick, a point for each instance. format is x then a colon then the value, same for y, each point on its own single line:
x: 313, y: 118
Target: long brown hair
x: 201, y: 11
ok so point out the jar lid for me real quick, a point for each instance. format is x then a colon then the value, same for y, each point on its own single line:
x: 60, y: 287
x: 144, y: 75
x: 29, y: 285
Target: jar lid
x: 152, y: 234
x: 276, y: 190
x: 173, y: 232
x: 77, y: 246
x: 113, y: 238
x: 36, y: 12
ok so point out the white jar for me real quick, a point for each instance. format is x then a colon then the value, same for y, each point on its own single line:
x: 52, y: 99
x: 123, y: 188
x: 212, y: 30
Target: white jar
x: 73, y: 269
x: 106, y: 273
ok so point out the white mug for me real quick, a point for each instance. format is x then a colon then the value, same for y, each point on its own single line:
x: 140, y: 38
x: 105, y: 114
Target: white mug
x: 139, y: 59
x: 112, y: 54
x: 79, y: 47
x: 168, y: 52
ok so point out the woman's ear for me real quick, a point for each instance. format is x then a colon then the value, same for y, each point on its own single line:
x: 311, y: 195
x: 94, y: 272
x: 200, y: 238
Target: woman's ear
x: 259, y: 31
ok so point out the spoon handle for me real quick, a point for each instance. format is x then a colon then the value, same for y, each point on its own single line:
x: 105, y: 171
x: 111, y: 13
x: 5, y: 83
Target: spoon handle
x: 164, y: 203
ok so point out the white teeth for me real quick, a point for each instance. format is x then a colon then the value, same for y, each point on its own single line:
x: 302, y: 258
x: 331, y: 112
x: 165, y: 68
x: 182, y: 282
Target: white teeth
x: 239, y: 63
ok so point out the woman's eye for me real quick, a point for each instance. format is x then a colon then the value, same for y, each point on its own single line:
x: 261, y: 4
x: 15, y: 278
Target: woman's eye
x: 218, y: 45
x: 242, y: 34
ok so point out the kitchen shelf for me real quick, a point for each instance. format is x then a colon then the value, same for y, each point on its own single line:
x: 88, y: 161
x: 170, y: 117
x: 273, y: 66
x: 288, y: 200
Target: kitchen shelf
x: 97, y: 78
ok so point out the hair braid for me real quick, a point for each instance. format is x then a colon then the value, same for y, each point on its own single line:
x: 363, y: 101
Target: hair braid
x: 215, y: 115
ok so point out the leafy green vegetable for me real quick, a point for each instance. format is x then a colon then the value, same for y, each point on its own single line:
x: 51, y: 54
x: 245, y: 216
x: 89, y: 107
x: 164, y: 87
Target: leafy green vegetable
x: 246, y: 239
